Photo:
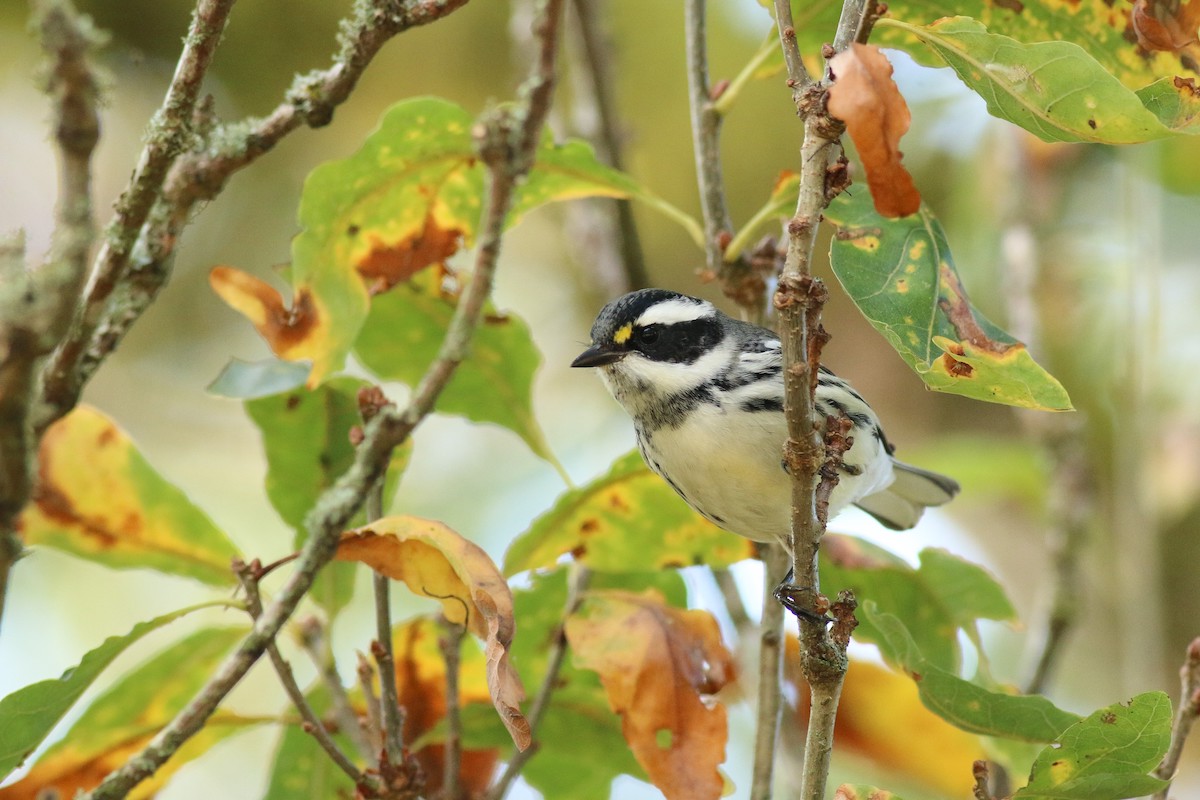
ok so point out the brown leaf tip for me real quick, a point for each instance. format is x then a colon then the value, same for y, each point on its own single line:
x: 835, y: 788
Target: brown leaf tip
x: 388, y: 264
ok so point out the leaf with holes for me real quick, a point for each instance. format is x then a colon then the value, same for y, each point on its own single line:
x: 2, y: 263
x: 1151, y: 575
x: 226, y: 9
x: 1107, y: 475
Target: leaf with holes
x: 98, y: 498
x: 1110, y: 755
x: 626, y: 520
x: 409, y: 199
x: 660, y: 667
x: 900, y: 274
x: 435, y: 561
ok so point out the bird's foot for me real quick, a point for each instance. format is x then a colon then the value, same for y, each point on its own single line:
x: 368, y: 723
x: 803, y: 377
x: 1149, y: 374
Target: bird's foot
x: 804, y: 602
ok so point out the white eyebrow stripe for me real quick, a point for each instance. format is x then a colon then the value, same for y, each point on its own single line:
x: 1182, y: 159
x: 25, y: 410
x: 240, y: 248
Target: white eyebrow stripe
x: 673, y: 312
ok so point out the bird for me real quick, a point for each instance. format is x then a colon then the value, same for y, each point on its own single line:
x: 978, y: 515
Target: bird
x: 705, y: 392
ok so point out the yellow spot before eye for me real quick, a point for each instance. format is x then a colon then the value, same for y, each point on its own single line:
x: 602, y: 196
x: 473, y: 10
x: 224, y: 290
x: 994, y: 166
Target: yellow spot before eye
x: 623, y: 333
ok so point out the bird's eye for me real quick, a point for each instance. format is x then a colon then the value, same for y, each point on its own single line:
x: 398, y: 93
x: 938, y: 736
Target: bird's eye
x: 648, y: 334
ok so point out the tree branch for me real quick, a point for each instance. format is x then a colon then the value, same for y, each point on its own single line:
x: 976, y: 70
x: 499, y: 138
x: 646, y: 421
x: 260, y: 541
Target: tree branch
x: 248, y: 575
x: 170, y: 133
x: 315, y: 642
x: 799, y: 299
x: 739, y: 282
x: 36, y: 307
x: 381, y: 649
x: 1185, y: 716
x: 451, y: 646
x: 506, y: 140
x: 198, y: 171
x: 770, y: 664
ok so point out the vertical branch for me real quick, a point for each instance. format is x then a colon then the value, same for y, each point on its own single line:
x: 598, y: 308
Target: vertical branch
x: 738, y: 280
x: 799, y: 299
x: 36, y: 307
x: 770, y: 663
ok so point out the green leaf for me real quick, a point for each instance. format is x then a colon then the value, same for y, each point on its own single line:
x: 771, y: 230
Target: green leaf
x: 1054, y: 90
x: 306, y: 437
x: 970, y: 707
x: 1174, y: 102
x: 494, y: 384
x: 408, y: 199
x: 28, y: 715
x: 627, y: 520
x: 900, y: 274
x: 1107, y: 756
x: 99, y: 499
x: 246, y: 380
x: 124, y: 719
x: 943, y: 594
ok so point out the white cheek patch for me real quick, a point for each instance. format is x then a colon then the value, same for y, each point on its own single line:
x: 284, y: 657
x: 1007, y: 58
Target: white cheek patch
x: 672, y: 312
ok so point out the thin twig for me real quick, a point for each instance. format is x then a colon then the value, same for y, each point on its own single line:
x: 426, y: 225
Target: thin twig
x: 198, y: 175
x: 770, y: 662
x: 36, y: 307
x: 1185, y: 716
x: 733, y: 601
x: 315, y: 641
x: 451, y: 646
x: 366, y: 684
x: 248, y: 575
x: 598, y: 72
x: 580, y: 577
x: 507, y: 139
x: 798, y: 79
x: 381, y: 649
x: 979, y: 771
x: 738, y: 281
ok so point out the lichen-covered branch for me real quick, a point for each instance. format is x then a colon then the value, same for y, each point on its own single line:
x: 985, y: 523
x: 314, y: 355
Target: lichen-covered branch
x: 36, y: 306
x: 134, y: 267
x: 506, y: 142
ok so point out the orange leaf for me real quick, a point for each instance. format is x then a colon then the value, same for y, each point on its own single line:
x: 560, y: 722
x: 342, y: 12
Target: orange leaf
x: 421, y: 687
x: 290, y: 332
x: 435, y: 561
x: 865, y: 97
x: 881, y: 718
x: 386, y: 264
x: 1166, y: 25
x: 659, y: 666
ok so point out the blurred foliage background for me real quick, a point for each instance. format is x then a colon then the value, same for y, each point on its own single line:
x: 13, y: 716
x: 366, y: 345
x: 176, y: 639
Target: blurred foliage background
x: 1103, y: 239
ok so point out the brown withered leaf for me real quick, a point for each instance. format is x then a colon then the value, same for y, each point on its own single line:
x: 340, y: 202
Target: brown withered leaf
x: 435, y: 561
x: 659, y: 666
x: 290, y: 332
x: 865, y: 97
x: 1167, y: 25
x: 421, y: 689
x: 384, y: 265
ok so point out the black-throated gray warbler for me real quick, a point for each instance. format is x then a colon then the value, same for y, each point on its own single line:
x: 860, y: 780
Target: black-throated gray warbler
x: 706, y: 395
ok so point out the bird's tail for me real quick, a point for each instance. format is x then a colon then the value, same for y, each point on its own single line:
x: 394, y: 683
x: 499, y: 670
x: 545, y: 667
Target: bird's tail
x: 900, y: 505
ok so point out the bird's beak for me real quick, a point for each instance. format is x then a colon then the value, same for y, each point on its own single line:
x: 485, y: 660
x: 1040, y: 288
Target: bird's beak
x: 598, y: 356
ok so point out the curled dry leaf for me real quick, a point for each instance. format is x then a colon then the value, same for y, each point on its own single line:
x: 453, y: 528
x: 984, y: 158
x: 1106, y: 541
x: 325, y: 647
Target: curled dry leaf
x: 659, y: 666
x: 435, y: 561
x: 1167, y: 26
x: 865, y: 97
